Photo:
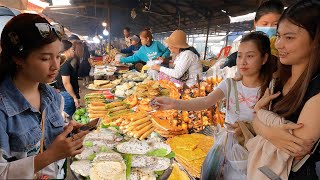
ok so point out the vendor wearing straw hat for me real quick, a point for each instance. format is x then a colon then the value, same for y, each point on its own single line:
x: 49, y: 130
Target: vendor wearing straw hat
x: 187, y: 64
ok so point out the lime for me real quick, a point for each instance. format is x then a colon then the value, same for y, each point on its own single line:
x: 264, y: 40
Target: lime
x: 83, y: 122
x: 83, y: 118
x: 77, y: 117
x: 78, y: 112
x: 82, y: 111
x: 91, y: 157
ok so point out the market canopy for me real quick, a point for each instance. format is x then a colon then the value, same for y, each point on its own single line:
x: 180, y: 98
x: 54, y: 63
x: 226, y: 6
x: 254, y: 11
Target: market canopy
x: 85, y: 16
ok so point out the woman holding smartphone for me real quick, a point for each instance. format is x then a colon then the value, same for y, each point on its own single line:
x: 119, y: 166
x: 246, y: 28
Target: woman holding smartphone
x: 33, y: 140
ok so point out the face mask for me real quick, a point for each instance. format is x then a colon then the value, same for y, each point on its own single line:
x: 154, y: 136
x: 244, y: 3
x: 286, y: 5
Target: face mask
x: 270, y: 31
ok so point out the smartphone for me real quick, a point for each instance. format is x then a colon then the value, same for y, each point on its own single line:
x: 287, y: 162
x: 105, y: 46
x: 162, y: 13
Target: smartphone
x: 90, y: 126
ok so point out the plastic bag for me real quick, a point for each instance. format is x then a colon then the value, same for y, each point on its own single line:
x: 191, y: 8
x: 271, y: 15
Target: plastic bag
x: 153, y: 74
x: 237, y: 159
x: 212, y: 166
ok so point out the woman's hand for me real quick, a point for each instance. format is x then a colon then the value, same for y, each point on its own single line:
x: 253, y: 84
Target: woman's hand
x: 76, y: 102
x: 236, y: 128
x: 160, y: 58
x: 155, y: 67
x: 117, y: 60
x: 74, y: 124
x: 280, y: 137
x: 63, y: 146
x: 265, y: 100
x: 163, y: 103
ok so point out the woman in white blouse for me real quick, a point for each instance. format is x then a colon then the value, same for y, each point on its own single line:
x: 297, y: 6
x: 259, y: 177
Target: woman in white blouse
x: 187, y: 64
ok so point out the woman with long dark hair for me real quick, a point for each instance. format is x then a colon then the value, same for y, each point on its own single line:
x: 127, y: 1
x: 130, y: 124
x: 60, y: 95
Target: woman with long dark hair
x: 81, y: 52
x: 67, y: 79
x: 256, y: 71
x: 298, y: 43
x: 33, y: 138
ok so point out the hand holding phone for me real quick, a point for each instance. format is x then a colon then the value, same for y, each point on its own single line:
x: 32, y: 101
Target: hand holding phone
x: 90, y: 126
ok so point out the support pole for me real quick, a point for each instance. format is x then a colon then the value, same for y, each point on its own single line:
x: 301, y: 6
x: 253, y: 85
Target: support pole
x: 109, y: 29
x: 206, y: 46
x: 227, y: 37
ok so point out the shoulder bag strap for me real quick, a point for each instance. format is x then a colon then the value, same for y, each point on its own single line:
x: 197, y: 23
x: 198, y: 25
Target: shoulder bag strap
x: 229, y: 92
x: 236, y: 96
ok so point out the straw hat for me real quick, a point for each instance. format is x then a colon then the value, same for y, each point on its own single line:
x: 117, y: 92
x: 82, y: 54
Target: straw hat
x: 177, y: 39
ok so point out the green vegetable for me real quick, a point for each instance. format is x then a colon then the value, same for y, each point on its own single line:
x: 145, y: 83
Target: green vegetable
x: 159, y: 173
x: 128, y: 161
x: 158, y: 152
x: 118, y: 134
x: 77, y: 112
x: 83, y: 118
x: 171, y: 155
x: 109, y: 125
x: 103, y: 149
x: 165, y: 92
x: 77, y: 117
x: 88, y: 143
x: 116, y: 127
x: 82, y: 111
x: 91, y: 157
x: 87, y: 120
x: 105, y: 125
x: 87, y: 178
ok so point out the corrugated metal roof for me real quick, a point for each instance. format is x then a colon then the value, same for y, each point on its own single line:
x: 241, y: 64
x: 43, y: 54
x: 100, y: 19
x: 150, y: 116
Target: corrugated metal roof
x: 85, y: 16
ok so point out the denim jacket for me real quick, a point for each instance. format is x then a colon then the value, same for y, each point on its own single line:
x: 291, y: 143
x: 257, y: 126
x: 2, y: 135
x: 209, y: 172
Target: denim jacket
x: 20, y: 128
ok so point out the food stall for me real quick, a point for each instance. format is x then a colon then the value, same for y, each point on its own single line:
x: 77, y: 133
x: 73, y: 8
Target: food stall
x: 137, y: 139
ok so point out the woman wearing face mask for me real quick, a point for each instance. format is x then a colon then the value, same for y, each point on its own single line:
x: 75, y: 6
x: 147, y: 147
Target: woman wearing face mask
x: 33, y: 138
x: 298, y: 38
x: 187, y: 65
x: 266, y: 20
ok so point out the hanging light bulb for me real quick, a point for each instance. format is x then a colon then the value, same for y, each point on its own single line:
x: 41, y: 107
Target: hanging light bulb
x: 104, y: 24
x: 133, y: 13
x: 96, y: 40
x: 105, y: 32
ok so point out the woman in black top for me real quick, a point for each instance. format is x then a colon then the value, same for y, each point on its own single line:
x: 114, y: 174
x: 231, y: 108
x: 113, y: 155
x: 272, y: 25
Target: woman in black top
x: 81, y: 51
x: 298, y: 43
x: 67, y: 79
